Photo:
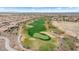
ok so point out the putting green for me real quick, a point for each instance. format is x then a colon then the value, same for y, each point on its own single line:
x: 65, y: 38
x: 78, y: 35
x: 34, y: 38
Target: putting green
x: 42, y: 36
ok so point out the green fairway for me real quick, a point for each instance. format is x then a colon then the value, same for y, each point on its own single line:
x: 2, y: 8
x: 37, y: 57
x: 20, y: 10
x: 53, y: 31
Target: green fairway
x: 35, y: 37
x: 38, y: 26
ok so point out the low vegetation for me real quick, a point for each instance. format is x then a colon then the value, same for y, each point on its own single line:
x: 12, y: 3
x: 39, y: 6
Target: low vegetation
x: 36, y: 40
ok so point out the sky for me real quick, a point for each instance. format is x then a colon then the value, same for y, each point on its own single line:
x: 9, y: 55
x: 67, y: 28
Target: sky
x: 39, y: 9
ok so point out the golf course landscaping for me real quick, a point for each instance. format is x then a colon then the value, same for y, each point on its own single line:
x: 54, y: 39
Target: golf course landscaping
x: 35, y: 38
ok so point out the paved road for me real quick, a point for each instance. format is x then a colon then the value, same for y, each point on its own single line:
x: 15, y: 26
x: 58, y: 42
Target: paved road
x: 7, y: 41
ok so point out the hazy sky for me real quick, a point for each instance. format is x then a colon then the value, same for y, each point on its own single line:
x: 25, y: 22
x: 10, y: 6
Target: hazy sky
x: 39, y: 9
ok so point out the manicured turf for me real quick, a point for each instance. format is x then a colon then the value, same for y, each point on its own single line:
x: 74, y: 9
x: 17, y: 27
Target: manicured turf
x: 42, y: 36
x: 34, y: 30
x: 38, y: 26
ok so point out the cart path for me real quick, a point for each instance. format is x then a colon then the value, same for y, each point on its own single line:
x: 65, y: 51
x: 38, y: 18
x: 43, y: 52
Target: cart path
x: 7, y: 46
